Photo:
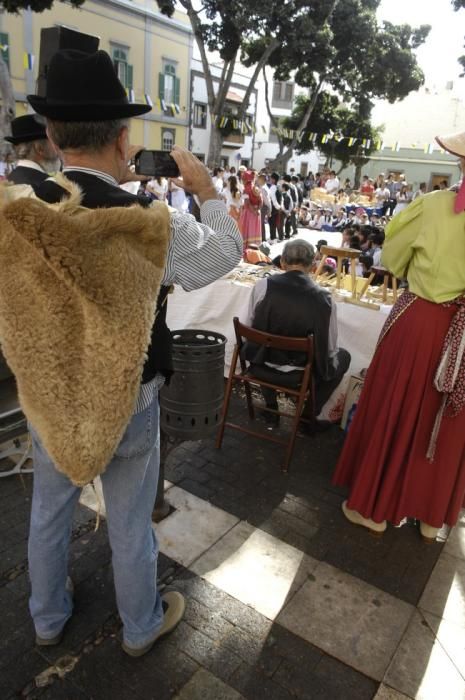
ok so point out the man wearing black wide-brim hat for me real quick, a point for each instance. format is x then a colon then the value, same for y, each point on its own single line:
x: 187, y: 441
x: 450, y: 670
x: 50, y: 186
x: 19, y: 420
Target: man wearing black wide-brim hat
x: 87, y: 262
x: 36, y: 157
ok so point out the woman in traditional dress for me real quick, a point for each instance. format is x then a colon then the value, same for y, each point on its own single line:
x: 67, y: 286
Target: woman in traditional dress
x: 250, y: 221
x: 232, y: 196
x: 404, y: 454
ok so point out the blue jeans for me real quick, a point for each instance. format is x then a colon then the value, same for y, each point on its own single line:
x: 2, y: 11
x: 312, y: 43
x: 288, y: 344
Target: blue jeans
x: 129, y: 487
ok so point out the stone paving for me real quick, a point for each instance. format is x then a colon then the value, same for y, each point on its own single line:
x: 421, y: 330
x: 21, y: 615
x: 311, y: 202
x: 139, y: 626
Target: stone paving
x: 285, y: 599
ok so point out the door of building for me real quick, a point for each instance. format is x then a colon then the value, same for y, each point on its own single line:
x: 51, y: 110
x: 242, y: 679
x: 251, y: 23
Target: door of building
x: 437, y: 178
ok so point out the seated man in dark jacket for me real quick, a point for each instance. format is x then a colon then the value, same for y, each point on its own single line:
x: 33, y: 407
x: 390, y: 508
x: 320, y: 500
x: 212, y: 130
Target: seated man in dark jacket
x: 291, y: 304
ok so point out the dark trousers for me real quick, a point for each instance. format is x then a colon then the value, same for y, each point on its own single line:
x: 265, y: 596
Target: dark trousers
x: 263, y: 214
x: 291, y: 380
x: 389, y: 206
x: 291, y: 224
x: 287, y: 226
x: 275, y: 221
x: 294, y: 223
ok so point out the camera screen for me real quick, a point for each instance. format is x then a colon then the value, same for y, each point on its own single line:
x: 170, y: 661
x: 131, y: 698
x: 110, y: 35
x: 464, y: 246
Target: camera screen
x: 156, y: 164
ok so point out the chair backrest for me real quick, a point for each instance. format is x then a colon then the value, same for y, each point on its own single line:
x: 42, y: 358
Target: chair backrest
x: 269, y: 340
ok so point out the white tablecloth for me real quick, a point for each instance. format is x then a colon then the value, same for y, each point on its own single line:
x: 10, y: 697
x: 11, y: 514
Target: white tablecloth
x: 214, y: 307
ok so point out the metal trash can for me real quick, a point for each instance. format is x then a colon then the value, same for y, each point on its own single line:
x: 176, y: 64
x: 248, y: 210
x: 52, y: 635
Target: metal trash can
x: 190, y: 407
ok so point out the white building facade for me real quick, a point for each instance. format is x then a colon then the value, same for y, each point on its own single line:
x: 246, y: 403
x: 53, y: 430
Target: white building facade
x: 281, y: 97
x: 253, y: 149
x: 238, y: 148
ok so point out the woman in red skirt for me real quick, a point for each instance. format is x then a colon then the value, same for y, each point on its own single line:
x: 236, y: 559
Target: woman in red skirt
x: 404, y: 455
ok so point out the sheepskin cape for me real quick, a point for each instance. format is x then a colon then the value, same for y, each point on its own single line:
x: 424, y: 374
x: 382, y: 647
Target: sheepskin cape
x: 78, y: 291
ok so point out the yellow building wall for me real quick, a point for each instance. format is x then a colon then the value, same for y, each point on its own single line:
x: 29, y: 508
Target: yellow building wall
x: 114, y: 25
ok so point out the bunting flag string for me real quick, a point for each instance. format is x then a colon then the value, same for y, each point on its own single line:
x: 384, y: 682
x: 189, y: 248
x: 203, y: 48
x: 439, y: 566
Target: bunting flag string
x: 28, y: 60
x: 160, y: 104
x: 376, y: 144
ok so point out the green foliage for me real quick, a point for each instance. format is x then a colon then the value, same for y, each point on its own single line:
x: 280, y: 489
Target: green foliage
x: 16, y: 6
x: 358, y: 57
x: 330, y: 116
x: 228, y: 27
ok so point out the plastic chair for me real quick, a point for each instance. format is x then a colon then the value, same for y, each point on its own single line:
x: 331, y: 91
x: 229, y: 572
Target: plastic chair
x: 302, y: 392
x: 12, y: 423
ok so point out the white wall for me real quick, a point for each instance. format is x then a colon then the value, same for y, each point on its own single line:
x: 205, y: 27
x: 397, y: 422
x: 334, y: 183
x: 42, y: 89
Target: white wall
x: 200, y: 138
x: 421, y: 116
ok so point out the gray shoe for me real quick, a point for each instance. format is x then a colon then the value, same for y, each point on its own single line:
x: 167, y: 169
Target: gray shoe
x: 53, y: 641
x: 174, y: 606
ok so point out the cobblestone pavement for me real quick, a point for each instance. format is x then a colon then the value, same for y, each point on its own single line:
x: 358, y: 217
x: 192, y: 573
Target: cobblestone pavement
x: 285, y: 598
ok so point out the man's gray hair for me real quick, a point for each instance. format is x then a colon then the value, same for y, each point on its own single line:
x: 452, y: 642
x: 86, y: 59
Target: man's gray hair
x: 24, y: 151
x: 298, y: 252
x: 86, y: 136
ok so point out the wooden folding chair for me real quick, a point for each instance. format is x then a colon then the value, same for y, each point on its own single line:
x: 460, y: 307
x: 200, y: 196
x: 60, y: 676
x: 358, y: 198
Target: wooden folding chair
x: 304, y: 391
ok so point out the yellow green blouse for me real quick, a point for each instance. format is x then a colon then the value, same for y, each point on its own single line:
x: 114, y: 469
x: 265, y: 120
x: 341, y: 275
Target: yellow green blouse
x: 425, y: 243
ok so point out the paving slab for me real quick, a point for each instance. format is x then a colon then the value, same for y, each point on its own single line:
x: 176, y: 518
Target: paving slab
x: 192, y: 528
x: 205, y: 686
x: 421, y: 667
x: 387, y: 693
x: 255, y: 567
x: 455, y: 544
x: 349, y: 619
x: 451, y: 637
x: 444, y: 595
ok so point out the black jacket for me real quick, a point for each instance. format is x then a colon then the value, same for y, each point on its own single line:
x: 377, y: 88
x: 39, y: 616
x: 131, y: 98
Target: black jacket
x: 98, y: 193
x: 294, y: 306
x: 22, y: 175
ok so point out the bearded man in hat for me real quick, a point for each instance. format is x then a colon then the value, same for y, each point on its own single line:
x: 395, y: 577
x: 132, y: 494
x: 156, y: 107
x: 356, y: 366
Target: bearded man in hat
x: 35, y: 155
x: 90, y: 288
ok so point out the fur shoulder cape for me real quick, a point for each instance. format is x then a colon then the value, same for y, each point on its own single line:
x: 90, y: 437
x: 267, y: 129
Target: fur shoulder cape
x: 78, y: 291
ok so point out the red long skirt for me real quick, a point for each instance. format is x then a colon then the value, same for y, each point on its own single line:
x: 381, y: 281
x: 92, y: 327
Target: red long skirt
x: 383, y: 461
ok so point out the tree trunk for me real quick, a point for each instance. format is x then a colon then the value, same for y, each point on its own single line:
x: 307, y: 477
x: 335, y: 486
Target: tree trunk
x: 8, y: 109
x: 357, y: 176
x: 214, y: 150
x: 273, y: 120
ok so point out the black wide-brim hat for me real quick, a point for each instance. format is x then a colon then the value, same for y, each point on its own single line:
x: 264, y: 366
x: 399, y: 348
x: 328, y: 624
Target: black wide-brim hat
x: 25, y: 129
x: 84, y: 87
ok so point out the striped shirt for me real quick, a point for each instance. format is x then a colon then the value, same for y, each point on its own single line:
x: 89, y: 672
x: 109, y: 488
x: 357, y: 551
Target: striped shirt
x: 198, y: 254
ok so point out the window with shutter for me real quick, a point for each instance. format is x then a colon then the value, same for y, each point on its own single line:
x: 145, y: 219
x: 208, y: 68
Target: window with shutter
x: 124, y: 71
x: 177, y: 90
x: 5, y: 48
x: 161, y: 86
x: 283, y: 94
x: 200, y: 115
x: 169, y: 89
x: 167, y: 139
x: 171, y: 85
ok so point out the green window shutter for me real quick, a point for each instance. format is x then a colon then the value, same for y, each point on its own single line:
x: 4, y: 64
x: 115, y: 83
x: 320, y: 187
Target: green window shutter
x: 161, y: 86
x: 4, y: 42
x: 177, y: 91
x: 129, y: 74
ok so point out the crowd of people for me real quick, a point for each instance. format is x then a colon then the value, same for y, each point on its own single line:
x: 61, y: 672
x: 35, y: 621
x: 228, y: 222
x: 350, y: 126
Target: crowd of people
x: 269, y: 207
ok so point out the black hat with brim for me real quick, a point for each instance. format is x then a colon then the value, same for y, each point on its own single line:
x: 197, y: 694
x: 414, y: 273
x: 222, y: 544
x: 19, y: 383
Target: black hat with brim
x: 84, y: 87
x: 25, y: 129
